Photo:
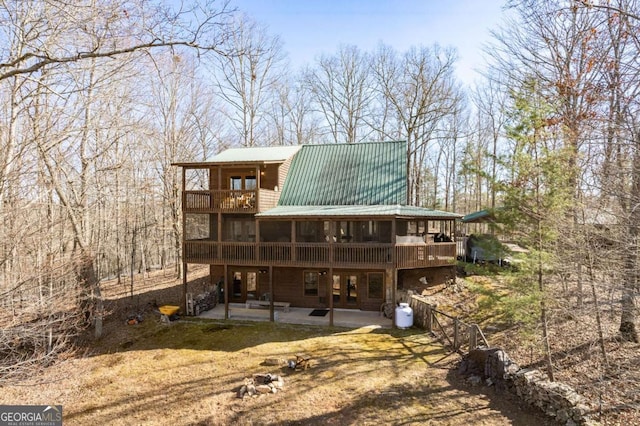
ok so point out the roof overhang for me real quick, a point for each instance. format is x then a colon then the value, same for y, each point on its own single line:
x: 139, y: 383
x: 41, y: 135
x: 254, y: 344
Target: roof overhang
x: 250, y: 156
x: 208, y: 164
x: 481, y: 216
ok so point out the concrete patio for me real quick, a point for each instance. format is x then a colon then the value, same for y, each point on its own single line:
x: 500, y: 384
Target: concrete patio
x: 341, y: 317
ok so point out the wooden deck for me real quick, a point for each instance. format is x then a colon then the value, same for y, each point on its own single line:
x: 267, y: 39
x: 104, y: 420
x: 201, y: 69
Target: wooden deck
x: 358, y: 255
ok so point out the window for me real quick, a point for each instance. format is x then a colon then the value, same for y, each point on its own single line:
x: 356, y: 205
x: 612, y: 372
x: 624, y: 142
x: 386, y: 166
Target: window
x: 235, y: 183
x: 311, y: 283
x: 250, y: 183
x: 375, y: 287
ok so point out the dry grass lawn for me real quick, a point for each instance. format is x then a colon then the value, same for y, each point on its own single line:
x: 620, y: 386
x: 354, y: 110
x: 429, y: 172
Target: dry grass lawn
x: 189, y: 372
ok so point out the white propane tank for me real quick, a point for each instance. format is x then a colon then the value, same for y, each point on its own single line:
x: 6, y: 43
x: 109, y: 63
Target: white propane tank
x: 404, y: 316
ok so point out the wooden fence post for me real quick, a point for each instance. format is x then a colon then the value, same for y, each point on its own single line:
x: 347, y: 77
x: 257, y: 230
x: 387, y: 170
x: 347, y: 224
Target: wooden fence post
x: 473, y: 337
x: 456, y: 334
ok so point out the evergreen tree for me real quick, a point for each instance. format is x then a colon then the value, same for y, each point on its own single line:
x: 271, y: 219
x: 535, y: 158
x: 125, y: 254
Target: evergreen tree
x: 537, y: 197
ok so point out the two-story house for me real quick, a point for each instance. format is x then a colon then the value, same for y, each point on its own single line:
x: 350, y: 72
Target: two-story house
x: 313, y: 225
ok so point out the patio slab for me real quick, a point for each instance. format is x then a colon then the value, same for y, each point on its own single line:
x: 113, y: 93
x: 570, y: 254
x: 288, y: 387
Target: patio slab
x: 341, y: 317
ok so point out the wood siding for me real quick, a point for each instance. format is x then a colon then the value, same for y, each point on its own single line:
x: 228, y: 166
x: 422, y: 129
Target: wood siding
x: 283, y: 171
x: 289, y: 287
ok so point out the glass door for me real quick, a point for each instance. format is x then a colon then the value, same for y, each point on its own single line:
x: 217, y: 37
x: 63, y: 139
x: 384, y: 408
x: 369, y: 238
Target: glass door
x: 345, y: 291
x: 252, y: 285
x: 236, y: 287
x: 244, y: 286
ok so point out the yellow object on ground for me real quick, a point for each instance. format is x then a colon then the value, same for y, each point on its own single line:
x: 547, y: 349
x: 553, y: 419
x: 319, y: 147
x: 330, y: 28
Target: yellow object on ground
x: 169, y: 310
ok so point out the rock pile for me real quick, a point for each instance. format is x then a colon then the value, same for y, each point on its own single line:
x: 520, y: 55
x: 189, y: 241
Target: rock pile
x: 260, y: 384
x: 494, y: 367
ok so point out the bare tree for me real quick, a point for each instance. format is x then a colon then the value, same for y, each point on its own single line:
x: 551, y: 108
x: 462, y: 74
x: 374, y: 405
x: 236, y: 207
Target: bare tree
x: 248, y: 77
x: 617, y: 26
x: 421, y: 89
x: 490, y: 103
x: 176, y: 133
x: 585, y: 59
x: 342, y: 89
x: 59, y: 66
x: 54, y: 34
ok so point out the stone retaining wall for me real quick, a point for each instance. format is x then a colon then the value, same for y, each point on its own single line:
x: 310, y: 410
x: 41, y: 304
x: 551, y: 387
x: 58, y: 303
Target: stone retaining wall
x: 558, y: 400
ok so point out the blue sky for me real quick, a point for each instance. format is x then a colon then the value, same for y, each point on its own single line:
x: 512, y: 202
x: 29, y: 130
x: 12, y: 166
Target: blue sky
x: 309, y: 28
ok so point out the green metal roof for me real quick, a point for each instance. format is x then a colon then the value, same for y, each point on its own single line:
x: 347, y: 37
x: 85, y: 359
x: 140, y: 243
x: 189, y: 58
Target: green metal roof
x: 347, y: 174
x: 282, y: 212
x: 481, y: 216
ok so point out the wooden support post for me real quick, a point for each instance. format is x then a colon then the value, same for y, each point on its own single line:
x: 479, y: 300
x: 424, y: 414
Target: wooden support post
x: 394, y: 288
x: 226, y: 293
x: 456, y: 334
x: 429, y: 318
x: 294, y: 242
x: 184, y: 287
x: 256, y: 198
x: 256, y: 243
x: 394, y: 263
x: 271, y: 295
x: 330, y: 284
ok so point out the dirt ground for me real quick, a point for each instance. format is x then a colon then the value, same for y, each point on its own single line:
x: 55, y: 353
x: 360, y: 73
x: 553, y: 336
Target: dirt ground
x: 611, y: 387
x: 188, y: 373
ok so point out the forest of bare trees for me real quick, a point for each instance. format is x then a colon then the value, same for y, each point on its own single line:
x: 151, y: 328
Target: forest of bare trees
x: 100, y: 98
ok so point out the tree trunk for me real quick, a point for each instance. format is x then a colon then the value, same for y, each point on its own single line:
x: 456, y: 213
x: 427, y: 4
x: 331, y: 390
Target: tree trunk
x: 543, y: 308
x: 628, y: 330
x: 596, y: 305
x: 92, y: 305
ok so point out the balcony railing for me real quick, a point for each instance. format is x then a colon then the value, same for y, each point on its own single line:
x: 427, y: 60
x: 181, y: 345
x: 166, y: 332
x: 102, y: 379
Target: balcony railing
x: 219, y: 200
x: 321, y: 254
x: 229, y: 201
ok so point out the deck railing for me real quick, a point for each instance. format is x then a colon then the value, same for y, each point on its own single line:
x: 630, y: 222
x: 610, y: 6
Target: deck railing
x: 415, y: 256
x: 321, y: 254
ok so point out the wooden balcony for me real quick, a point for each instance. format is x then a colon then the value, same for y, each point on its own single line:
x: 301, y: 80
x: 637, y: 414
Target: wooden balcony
x: 229, y: 201
x: 321, y: 255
